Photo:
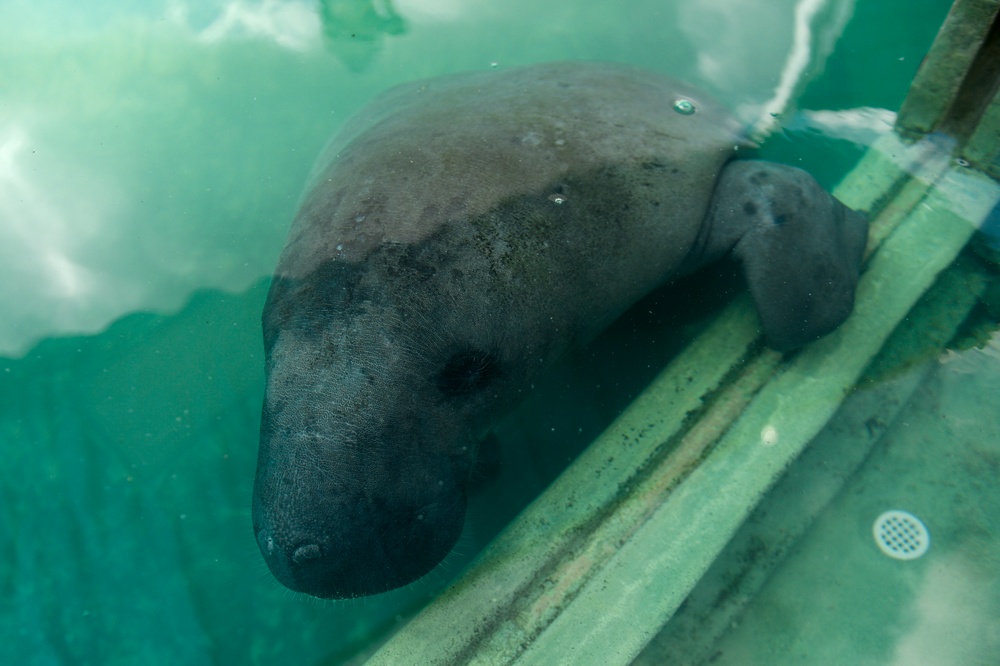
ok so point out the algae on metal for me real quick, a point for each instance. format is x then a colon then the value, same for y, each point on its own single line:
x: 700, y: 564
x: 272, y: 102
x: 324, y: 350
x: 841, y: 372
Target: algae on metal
x: 946, y: 68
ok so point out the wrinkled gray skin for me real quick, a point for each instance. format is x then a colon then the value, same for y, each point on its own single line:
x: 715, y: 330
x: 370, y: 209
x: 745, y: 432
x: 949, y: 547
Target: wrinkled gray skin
x: 460, y: 235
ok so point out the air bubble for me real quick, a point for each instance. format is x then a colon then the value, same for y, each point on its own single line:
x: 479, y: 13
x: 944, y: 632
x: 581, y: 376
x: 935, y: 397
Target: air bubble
x: 769, y: 435
x: 684, y: 106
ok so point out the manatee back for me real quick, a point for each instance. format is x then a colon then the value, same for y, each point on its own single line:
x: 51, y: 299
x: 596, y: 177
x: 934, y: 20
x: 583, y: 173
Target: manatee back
x: 619, y: 175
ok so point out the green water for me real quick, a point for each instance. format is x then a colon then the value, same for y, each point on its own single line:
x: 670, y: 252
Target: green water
x: 151, y: 159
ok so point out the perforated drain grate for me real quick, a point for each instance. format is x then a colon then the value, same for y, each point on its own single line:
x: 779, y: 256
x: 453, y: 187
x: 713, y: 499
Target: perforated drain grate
x: 901, y: 535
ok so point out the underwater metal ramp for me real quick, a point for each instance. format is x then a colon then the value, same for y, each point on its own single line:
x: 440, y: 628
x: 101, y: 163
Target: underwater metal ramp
x: 596, y: 569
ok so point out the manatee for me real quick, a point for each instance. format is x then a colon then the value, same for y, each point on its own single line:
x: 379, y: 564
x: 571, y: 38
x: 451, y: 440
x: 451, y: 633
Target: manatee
x: 458, y: 236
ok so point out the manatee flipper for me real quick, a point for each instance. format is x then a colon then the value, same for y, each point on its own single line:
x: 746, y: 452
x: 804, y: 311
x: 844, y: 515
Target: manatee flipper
x: 800, y: 248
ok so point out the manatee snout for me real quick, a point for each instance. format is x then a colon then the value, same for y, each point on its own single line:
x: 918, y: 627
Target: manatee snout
x: 340, y: 513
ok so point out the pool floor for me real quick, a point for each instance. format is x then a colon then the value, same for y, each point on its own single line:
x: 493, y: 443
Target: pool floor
x: 804, y: 581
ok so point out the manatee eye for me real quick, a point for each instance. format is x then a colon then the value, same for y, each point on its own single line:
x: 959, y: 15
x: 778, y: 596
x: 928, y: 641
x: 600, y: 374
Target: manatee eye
x: 468, y: 371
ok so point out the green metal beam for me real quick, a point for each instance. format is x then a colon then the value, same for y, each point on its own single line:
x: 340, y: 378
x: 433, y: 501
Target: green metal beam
x: 947, y: 67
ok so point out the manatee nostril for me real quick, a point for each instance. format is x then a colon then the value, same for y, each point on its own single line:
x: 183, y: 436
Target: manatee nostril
x: 303, y: 554
x: 265, y: 541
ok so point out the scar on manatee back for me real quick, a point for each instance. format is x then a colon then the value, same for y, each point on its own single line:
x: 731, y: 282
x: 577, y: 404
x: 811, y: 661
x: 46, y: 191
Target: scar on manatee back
x: 458, y: 236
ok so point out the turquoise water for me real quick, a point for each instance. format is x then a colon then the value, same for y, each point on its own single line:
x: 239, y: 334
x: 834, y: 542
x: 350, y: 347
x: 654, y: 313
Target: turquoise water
x: 151, y: 158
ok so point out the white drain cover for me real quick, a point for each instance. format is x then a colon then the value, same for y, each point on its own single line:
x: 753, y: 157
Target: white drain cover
x: 901, y: 535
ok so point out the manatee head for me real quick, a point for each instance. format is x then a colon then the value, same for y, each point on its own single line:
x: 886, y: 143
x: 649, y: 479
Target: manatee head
x: 381, y: 381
